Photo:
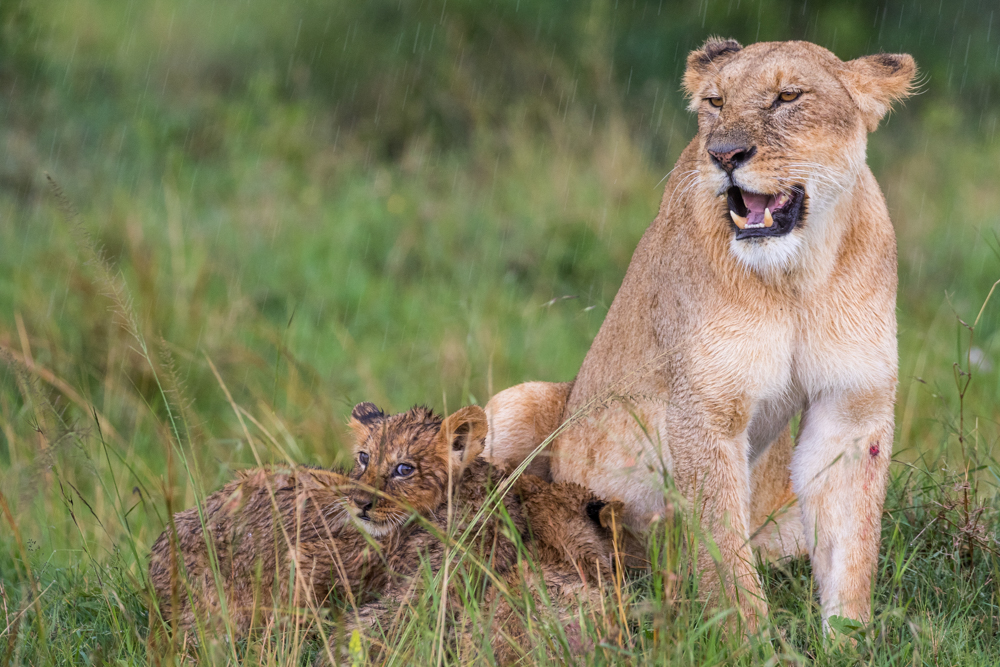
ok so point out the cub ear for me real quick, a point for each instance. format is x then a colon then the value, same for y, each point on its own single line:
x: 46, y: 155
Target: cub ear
x: 704, y: 61
x: 875, y: 82
x: 606, y: 514
x: 463, y: 436
x: 364, y: 417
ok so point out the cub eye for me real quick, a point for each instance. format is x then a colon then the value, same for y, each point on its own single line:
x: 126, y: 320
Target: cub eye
x: 789, y: 95
x: 363, y: 458
x: 715, y: 101
x: 404, y: 470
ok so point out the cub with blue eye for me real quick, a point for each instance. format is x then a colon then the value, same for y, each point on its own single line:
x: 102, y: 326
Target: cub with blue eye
x: 406, y: 463
x: 477, y: 541
x: 402, y: 468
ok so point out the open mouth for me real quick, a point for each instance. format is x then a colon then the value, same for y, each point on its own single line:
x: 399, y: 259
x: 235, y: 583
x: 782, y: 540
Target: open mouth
x: 761, y: 215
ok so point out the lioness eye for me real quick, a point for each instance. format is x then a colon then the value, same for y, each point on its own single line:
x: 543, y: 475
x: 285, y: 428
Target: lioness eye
x: 789, y: 95
x: 715, y: 101
x: 363, y: 458
x: 403, y: 470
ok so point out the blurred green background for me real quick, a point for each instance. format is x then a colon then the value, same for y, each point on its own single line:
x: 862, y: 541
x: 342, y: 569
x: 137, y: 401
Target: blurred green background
x: 403, y: 202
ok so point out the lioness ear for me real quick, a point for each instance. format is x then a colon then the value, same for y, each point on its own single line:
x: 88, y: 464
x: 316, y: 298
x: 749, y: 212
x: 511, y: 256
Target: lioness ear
x: 875, y: 82
x: 701, y: 62
x: 364, y: 417
x: 463, y: 435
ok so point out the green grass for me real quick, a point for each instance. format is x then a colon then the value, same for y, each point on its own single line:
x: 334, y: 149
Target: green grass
x: 251, y: 221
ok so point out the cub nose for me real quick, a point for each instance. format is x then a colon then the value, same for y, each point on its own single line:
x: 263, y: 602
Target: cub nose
x: 364, y: 503
x: 731, y: 156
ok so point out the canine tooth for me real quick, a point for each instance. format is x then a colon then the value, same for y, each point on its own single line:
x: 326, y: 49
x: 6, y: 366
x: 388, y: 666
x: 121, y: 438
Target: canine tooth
x: 768, y: 220
x: 782, y: 200
x: 740, y: 221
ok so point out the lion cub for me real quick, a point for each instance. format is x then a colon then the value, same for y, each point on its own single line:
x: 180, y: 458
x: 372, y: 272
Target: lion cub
x: 403, y: 466
x: 479, y: 530
x: 579, y: 546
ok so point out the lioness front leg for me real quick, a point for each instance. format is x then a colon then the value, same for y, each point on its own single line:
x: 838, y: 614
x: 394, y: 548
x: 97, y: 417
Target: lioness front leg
x: 839, y: 471
x: 716, y: 480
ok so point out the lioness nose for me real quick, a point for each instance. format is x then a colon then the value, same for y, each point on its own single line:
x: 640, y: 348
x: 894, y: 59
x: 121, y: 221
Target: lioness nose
x: 731, y: 156
x: 365, y: 503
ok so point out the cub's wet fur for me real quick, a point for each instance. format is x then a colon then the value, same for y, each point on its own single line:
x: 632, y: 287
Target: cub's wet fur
x: 492, y: 541
x: 253, y: 553
x: 407, y: 468
x: 569, y: 531
x: 579, y: 546
x: 412, y: 456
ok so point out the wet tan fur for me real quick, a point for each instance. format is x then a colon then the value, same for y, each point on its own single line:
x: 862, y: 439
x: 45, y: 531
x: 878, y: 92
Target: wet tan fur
x: 522, y: 417
x: 713, y: 344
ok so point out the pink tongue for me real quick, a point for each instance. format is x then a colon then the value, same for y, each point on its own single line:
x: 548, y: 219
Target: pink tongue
x: 755, y: 206
x: 756, y: 203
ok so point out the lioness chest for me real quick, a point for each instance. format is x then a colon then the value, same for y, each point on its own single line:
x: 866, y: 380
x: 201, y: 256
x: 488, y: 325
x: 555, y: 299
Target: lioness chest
x: 752, y: 371
x: 735, y: 360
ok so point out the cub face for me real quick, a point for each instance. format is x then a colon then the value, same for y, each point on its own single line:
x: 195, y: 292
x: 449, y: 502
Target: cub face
x: 782, y: 133
x: 403, y: 462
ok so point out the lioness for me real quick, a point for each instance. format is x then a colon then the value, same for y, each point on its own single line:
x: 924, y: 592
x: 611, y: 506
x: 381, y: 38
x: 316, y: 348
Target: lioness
x: 765, y: 286
x: 270, y: 519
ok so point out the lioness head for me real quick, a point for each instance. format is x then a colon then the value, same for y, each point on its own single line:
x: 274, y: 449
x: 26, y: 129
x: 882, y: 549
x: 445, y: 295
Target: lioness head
x: 402, y: 462
x: 782, y: 134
